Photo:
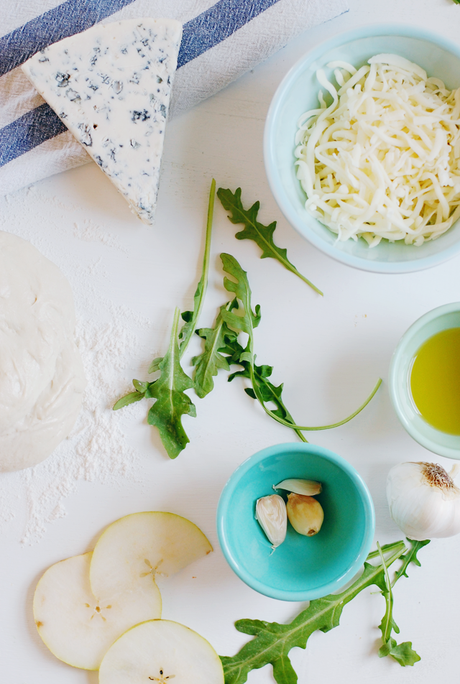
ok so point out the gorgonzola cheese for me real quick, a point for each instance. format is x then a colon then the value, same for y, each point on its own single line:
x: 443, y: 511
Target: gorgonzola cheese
x: 111, y: 86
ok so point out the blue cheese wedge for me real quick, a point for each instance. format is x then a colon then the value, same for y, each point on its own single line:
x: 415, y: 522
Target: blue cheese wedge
x: 111, y: 86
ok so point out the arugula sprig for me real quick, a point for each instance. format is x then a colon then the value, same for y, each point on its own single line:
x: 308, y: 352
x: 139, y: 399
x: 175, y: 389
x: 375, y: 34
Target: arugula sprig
x: 169, y: 388
x: 238, y: 317
x: 269, y: 392
x: 171, y: 401
x: 217, y: 352
x: 256, y: 231
x: 222, y: 347
x: 410, y: 557
x: 403, y: 653
x: 272, y: 641
x: 191, y: 317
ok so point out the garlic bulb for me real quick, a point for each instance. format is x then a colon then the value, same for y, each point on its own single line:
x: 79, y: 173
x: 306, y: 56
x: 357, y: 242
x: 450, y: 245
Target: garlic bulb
x: 271, y: 516
x: 305, y: 514
x: 423, y: 500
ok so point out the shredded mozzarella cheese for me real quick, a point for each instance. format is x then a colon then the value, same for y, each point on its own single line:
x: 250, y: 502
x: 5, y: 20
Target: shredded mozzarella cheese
x: 382, y: 160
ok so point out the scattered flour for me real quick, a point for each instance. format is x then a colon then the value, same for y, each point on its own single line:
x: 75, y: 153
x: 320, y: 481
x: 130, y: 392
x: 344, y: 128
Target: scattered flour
x: 89, y: 231
x: 96, y: 450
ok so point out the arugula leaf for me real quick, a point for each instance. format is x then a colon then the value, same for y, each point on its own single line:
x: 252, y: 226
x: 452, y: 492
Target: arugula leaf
x: 253, y: 230
x: 211, y: 360
x: 246, y: 322
x: 288, y: 423
x: 130, y: 398
x: 272, y: 641
x: 266, y: 389
x: 246, y: 319
x: 223, y: 337
x: 191, y: 317
x: 403, y: 653
x: 171, y: 401
x: 166, y: 413
x: 155, y: 365
x: 141, y: 387
x: 222, y: 347
x: 410, y: 557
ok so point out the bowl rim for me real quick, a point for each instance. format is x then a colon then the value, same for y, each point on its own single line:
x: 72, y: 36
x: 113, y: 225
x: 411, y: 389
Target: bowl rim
x: 368, y: 532
x: 394, y: 373
x: 271, y: 171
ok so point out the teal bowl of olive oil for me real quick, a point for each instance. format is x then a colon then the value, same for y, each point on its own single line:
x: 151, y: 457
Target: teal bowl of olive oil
x: 424, y: 380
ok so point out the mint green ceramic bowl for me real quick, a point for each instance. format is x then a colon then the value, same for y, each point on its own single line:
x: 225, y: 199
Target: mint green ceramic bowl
x: 441, y: 318
x: 302, y: 568
x: 298, y: 92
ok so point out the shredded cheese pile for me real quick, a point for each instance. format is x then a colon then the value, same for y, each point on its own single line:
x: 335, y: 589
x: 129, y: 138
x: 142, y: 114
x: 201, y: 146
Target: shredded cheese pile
x: 382, y: 160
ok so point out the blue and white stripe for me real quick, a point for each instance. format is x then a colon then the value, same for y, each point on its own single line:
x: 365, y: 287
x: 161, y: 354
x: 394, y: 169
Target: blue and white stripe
x: 221, y: 40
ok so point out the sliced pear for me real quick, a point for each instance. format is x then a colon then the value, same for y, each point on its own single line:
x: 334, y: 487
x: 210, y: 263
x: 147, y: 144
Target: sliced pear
x: 142, y: 546
x: 160, y: 651
x: 77, y: 626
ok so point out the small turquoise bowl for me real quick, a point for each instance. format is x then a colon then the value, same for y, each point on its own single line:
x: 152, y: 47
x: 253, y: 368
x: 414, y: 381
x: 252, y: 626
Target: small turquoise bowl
x: 301, y: 568
x: 298, y: 92
x: 433, y: 322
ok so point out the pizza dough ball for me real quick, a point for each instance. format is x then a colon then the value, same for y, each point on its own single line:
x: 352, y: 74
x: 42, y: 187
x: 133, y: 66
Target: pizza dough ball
x: 41, y: 373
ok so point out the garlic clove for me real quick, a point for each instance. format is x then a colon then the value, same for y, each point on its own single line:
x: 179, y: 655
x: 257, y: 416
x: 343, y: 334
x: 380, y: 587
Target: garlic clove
x: 423, y: 500
x: 305, y: 487
x: 305, y: 514
x: 271, y: 516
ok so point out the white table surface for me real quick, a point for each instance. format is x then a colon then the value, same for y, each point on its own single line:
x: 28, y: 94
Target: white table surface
x: 328, y: 351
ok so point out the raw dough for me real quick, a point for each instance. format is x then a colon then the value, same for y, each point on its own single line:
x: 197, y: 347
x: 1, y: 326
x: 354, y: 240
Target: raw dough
x: 41, y: 373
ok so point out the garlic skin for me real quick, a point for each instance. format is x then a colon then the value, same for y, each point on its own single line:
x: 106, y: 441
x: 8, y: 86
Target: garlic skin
x: 423, y: 500
x: 305, y: 514
x: 272, y: 517
x: 305, y: 487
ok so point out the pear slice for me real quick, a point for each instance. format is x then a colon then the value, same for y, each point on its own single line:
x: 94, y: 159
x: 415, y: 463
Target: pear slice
x: 161, y: 651
x: 77, y: 626
x: 143, y: 546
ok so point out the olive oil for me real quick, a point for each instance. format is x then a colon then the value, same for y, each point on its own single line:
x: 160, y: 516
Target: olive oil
x: 435, y: 381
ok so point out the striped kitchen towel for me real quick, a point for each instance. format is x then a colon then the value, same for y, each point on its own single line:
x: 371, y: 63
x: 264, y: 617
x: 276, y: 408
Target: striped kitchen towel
x: 221, y: 40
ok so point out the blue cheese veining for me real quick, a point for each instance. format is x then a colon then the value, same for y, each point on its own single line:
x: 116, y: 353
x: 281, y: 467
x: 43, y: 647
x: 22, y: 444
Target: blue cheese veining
x: 111, y: 86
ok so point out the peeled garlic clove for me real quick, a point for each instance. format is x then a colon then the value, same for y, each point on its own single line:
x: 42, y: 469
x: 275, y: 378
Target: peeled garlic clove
x: 423, y: 500
x: 305, y: 514
x: 304, y: 487
x: 271, y: 516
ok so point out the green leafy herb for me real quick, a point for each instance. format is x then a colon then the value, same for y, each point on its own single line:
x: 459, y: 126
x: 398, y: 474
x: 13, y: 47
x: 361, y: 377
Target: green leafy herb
x: 245, y: 320
x: 191, y: 317
x: 403, y: 653
x: 410, y: 557
x: 222, y: 347
x: 211, y: 360
x: 171, y: 401
x: 272, y: 641
x: 220, y: 341
x: 130, y: 398
x: 168, y: 390
x: 269, y: 392
x: 239, y: 317
x: 253, y: 230
x: 315, y: 428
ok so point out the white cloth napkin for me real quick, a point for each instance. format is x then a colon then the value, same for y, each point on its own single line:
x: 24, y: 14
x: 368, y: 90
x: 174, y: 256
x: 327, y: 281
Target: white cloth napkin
x: 221, y: 40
